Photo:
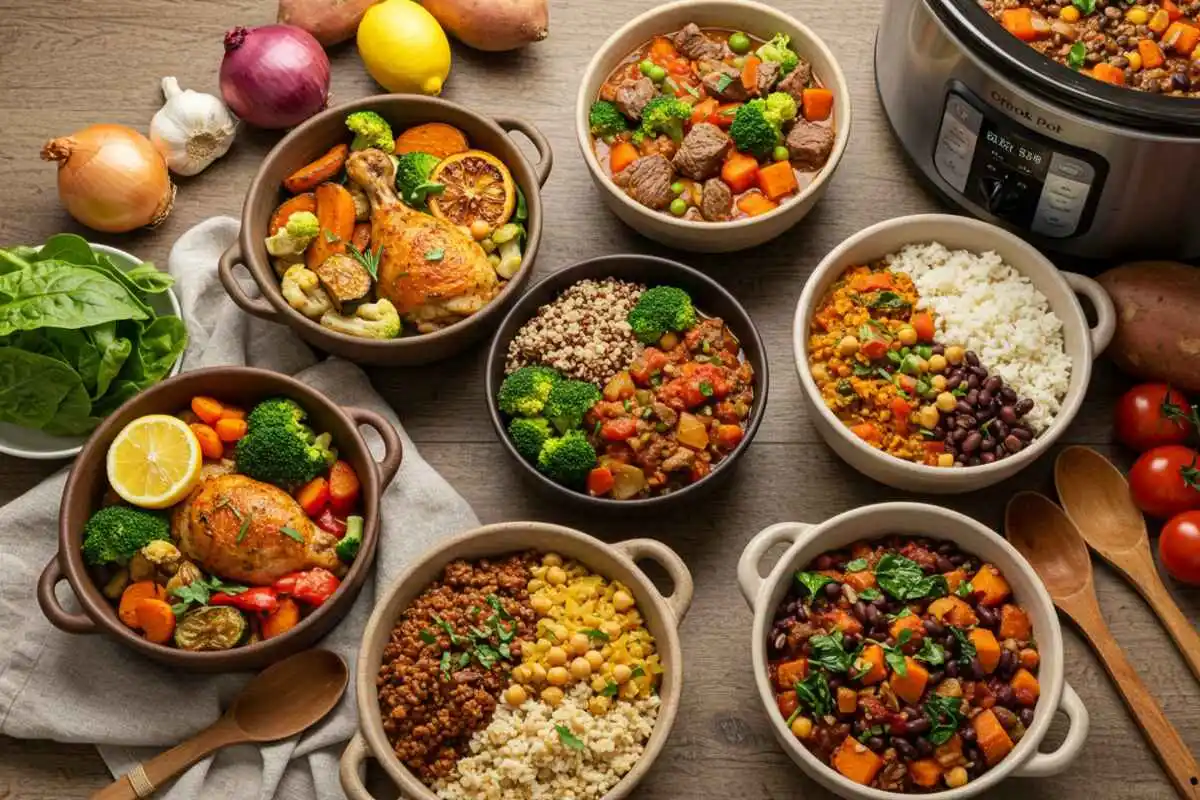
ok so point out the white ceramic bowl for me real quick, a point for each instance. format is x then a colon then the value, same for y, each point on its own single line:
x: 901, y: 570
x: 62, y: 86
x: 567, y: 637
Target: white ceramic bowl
x: 806, y: 542
x: 33, y: 444
x: 1083, y: 344
x: 753, y: 18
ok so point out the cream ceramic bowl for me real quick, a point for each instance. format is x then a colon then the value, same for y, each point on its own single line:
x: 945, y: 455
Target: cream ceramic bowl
x: 662, y: 615
x: 756, y: 19
x: 805, y: 542
x: 1083, y: 344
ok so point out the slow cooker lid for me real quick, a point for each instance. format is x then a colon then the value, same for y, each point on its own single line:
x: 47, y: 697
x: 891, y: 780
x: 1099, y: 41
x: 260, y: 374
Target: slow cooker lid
x: 1059, y: 84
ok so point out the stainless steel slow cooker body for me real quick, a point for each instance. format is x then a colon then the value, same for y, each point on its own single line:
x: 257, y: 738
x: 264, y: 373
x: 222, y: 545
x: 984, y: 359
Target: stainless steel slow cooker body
x: 1072, y: 164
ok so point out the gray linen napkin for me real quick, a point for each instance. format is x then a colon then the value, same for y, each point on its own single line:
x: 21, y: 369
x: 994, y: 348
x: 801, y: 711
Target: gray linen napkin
x: 90, y: 689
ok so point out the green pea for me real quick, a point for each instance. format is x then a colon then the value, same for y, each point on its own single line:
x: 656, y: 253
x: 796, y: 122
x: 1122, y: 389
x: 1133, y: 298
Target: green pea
x: 739, y: 42
x: 781, y: 153
x: 646, y: 66
x: 656, y: 73
x: 677, y: 187
x: 679, y: 206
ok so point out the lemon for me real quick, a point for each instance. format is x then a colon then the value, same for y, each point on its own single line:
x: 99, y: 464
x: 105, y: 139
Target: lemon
x: 154, y: 461
x: 404, y: 48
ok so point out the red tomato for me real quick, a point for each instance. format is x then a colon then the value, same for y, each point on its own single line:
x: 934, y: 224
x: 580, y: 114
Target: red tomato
x: 1166, y: 481
x: 1179, y: 547
x: 874, y: 349
x: 618, y: 430
x: 1152, y: 415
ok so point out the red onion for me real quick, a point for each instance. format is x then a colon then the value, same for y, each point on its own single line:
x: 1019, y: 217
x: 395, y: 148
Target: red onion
x: 275, y: 76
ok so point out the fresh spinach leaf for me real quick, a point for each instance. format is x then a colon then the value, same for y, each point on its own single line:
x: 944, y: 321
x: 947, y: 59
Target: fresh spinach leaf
x: 869, y: 594
x: 156, y: 351
x: 13, y: 260
x: 903, y: 579
x: 113, y: 351
x: 857, y: 565
x: 149, y: 279
x: 944, y: 712
x: 813, y: 581
x: 829, y: 652
x: 66, y: 247
x: 814, y: 692
x: 966, y: 648
x: 32, y: 387
x: 52, y: 294
x: 931, y: 653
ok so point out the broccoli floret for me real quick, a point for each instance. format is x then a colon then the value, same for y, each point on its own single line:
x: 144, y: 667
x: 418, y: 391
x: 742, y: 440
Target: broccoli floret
x: 753, y: 131
x: 781, y: 108
x: 661, y: 309
x: 351, y: 541
x: 412, y: 178
x: 780, y: 51
x: 665, y: 114
x: 568, y: 459
x: 568, y: 402
x: 302, y: 289
x: 524, y: 392
x: 296, y: 235
x: 279, y: 448
x: 378, y: 320
x: 528, y: 435
x: 605, y: 120
x: 116, y: 533
x: 371, y: 130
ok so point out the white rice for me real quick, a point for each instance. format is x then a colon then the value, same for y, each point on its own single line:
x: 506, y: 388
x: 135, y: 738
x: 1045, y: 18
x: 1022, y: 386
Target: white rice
x: 986, y: 306
x: 521, y: 755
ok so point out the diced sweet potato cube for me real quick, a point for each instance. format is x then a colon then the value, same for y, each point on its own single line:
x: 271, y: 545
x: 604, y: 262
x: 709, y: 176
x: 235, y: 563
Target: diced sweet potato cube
x: 987, y: 648
x: 910, y: 623
x: 858, y: 581
x: 926, y: 772
x: 856, y: 761
x: 790, y: 673
x: 910, y: 686
x: 954, y: 579
x: 847, y: 700
x: 991, y: 583
x: 993, y: 740
x: 1026, y: 687
x: 873, y: 655
x: 953, y: 610
x: 1014, y: 623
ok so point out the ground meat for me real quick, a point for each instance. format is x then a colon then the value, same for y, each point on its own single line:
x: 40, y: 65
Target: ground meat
x: 693, y: 44
x: 796, y: 81
x: 648, y: 181
x: 809, y: 145
x: 723, y: 82
x: 632, y: 97
x: 716, y: 200
x: 702, y: 151
x: 432, y: 702
x: 768, y: 74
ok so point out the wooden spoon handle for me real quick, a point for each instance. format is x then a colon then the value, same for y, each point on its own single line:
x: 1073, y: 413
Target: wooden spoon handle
x: 144, y: 779
x: 1177, y: 625
x: 1178, y: 762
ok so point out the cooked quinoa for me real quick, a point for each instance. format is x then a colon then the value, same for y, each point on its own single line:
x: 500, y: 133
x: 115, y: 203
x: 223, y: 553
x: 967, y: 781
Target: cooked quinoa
x: 582, y: 333
x: 537, y: 752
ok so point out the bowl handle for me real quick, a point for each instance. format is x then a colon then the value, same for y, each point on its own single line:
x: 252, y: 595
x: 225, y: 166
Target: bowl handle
x: 393, y: 450
x: 259, y: 307
x: 1043, y: 765
x: 680, y: 600
x: 58, y: 616
x: 351, y: 766
x: 1106, y: 312
x: 749, y: 581
x: 540, y: 143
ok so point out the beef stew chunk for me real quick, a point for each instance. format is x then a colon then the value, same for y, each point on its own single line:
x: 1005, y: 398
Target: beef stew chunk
x: 693, y: 44
x: 702, y: 151
x: 648, y: 181
x: 716, y: 200
x: 633, y: 96
x: 809, y: 145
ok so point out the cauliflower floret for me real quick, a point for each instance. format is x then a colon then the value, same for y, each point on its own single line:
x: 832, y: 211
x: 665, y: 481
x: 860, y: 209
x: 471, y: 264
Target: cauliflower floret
x: 508, y: 239
x: 291, y: 240
x: 302, y: 289
x: 378, y: 320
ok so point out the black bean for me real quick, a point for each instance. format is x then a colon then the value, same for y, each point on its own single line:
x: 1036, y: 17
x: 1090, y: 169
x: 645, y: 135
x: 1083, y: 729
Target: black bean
x: 939, y: 434
x: 1012, y: 444
x: 972, y: 359
x: 985, y: 397
x: 987, y: 458
x: 823, y: 562
x: 971, y: 443
x: 875, y: 743
x: 1023, y: 407
x: 952, y: 669
x: 832, y: 590
x: 1006, y: 718
x: 935, y: 677
x: 1026, y: 716
x: 1007, y: 666
x: 945, y: 547
x: 957, y: 559
x: 972, y: 397
x: 943, y: 565
x: 958, y: 435
x: 838, y: 563
x: 1008, y: 415
x: 1008, y: 396
x: 932, y: 626
x: 993, y: 384
x: 1023, y: 433
x: 981, y: 371
x: 860, y: 727
x: 976, y: 669
x: 984, y: 414
x: 850, y: 640
x: 916, y: 727
x: 967, y: 733
x: 904, y: 748
x: 924, y: 747
x: 973, y: 461
x: 859, y: 609
x: 791, y: 606
x: 1005, y: 695
x: 964, y: 406
x: 872, y: 614
x: 939, y: 349
x: 988, y: 444
x: 801, y: 613
x: 834, y: 681
x: 966, y: 421
x: 973, y: 381
x: 987, y: 617
x: 953, y: 382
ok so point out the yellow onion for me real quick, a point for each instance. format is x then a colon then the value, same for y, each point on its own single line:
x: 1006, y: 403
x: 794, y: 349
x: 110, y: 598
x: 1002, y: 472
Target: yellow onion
x: 111, y: 178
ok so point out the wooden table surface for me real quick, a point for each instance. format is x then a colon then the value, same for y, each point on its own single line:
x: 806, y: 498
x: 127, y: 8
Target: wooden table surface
x: 69, y: 64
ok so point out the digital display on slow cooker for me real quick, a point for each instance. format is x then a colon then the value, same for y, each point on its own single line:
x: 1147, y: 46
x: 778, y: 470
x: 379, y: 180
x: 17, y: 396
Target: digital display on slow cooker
x: 1024, y: 153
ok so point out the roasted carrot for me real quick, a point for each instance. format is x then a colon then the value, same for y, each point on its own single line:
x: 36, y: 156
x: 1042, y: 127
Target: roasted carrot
x: 282, y: 620
x: 867, y: 431
x: 135, y: 593
x: 230, y: 430
x: 1109, y: 74
x: 156, y: 619
x: 325, y: 168
x: 344, y: 488
x: 210, y: 443
x: 361, y: 238
x: 777, y: 180
x: 704, y: 110
x: 723, y: 117
x: 600, y: 481
x: 872, y: 282
x: 1172, y: 9
x: 740, y: 171
x: 233, y: 412
x: 1182, y: 37
x: 207, y: 409
x: 755, y: 204
x: 818, y: 104
x: 1021, y: 23
x: 856, y: 761
x: 436, y: 138
x: 1029, y: 658
x: 1151, y: 53
x: 313, y: 496
x: 335, y: 211
x: 293, y: 205
x: 621, y: 156
x: 661, y: 49
x: 750, y: 73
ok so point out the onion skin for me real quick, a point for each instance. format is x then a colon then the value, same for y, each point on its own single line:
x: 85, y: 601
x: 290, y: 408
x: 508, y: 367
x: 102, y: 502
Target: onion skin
x: 274, y: 76
x: 111, y: 178
x: 492, y: 25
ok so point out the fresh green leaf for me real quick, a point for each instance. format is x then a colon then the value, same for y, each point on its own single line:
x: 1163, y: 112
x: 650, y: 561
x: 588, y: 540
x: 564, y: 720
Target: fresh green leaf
x: 965, y: 588
x: 903, y: 579
x: 522, y: 211
x: 1086, y: 6
x: 595, y: 635
x: 436, y: 254
x: 369, y: 260
x: 889, y: 301
x: 53, y: 294
x: 569, y: 739
x: 33, y: 387
x: 944, y: 712
x: 637, y: 672
x: 113, y: 350
x: 427, y: 637
x: 292, y: 533
x: 706, y: 388
x: 610, y: 690
x: 966, y: 648
x: 12, y: 260
x: 155, y: 352
x: 149, y: 279
x: 894, y: 654
x: 931, y: 653
x: 857, y: 565
x: 813, y: 692
x: 444, y: 625
x: 200, y: 590
x: 66, y: 247
x: 870, y: 594
x: 813, y: 581
x: 445, y: 664
x: 829, y: 652
x: 495, y: 603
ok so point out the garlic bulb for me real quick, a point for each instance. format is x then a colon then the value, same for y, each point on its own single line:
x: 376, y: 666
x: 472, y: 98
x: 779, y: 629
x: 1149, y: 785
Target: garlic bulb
x: 192, y: 129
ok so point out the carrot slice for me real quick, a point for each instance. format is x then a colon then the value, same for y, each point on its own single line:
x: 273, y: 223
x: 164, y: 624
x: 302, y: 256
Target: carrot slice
x: 210, y: 442
x: 621, y: 156
x: 207, y: 409
x: 230, y: 430
x: 282, y: 620
x: 156, y: 619
x: 755, y: 204
x: 818, y: 104
x: 740, y: 171
x: 750, y: 73
x: 777, y: 180
x: 293, y: 205
x: 335, y: 211
x: 135, y: 593
x: 323, y: 169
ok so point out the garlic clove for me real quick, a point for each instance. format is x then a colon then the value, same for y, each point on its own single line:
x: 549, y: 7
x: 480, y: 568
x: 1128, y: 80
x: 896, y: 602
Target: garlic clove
x: 192, y: 129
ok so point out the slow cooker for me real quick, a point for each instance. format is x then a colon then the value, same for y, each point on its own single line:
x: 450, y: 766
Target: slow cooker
x: 1072, y: 164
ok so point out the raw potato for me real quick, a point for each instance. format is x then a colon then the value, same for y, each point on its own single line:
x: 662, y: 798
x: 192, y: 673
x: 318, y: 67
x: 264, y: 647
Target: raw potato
x: 492, y: 25
x: 330, y: 21
x: 1158, y: 331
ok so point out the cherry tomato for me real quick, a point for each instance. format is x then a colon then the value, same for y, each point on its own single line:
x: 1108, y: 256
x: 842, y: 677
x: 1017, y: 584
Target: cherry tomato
x: 1152, y: 415
x: 1179, y: 547
x: 1166, y: 481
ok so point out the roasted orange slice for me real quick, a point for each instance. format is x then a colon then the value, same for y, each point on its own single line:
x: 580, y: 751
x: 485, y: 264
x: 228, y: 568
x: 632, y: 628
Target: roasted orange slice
x: 478, y: 188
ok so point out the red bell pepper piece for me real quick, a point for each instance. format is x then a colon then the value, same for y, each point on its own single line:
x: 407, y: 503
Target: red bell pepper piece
x: 331, y: 524
x: 311, y: 586
x: 257, y: 599
x: 344, y: 488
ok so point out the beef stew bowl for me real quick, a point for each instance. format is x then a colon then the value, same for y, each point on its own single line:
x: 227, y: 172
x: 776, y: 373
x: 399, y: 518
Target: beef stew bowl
x: 524, y: 633
x: 712, y: 126
x: 627, y: 382
x: 949, y: 695
x: 238, y: 573
x: 943, y: 354
x: 393, y: 252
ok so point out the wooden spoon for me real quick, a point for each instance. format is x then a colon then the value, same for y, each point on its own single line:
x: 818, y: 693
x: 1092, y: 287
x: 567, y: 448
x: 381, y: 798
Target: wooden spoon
x: 279, y: 702
x: 1052, y: 544
x: 1096, y: 497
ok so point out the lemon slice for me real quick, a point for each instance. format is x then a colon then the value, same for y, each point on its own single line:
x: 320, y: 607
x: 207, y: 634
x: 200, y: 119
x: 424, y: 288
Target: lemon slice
x: 154, y: 461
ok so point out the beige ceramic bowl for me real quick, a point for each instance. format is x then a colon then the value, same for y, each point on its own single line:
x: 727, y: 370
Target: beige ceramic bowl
x: 806, y: 542
x: 663, y: 616
x: 1083, y: 343
x: 753, y: 18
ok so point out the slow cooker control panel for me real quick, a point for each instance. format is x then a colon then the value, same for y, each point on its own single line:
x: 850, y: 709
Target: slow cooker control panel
x: 1025, y: 178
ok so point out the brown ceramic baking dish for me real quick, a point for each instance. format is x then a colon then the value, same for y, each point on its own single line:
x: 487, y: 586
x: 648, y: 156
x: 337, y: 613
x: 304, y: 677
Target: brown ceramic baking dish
x: 663, y: 616
x: 315, y: 137
x: 88, y: 480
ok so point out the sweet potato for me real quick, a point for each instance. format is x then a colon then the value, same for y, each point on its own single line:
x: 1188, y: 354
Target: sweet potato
x: 1158, y: 330
x: 856, y: 761
x: 858, y: 581
x: 987, y: 648
x: 847, y: 700
x: 926, y: 772
x: 1026, y: 687
x: 436, y: 138
x: 911, y: 685
x: 1014, y: 623
x: 993, y: 740
x: 873, y: 655
x: 953, y: 610
x: 954, y: 579
x: 335, y: 211
x: 492, y: 25
x: 992, y: 585
x: 329, y: 21
x: 301, y: 202
x: 325, y: 168
x: 844, y: 621
x: 791, y: 672
x: 909, y: 623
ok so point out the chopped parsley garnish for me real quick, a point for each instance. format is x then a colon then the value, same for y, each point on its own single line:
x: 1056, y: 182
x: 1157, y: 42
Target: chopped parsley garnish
x: 595, y: 635
x: 706, y: 389
x: 1086, y: 6
x: 966, y: 648
x: 244, y: 529
x: 427, y: 637
x: 931, y: 653
x: 445, y: 664
x: 637, y: 672
x: 889, y: 301
x: 965, y: 588
x: 857, y: 565
x: 200, y: 590
x: 369, y: 260
x: 569, y: 739
x: 813, y: 692
x: 610, y: 690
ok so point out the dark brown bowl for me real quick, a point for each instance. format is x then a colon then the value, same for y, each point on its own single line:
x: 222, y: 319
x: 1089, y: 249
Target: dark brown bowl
x: 314, y: 138
x: 88, y: 481
x: 709, y: 296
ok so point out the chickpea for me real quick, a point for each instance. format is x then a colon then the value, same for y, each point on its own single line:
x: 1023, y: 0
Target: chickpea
x: 1135, y: 60
x: 622, y: 601
x: 598, y: 705
x: 946, y: 401
x: 945, y: 460
x: 819, y: 373
x: 1069, y: 14
x: 558, y: 676
x: 537, y: 673
x: 956, y: 777
x: 613, y: 629
x: 848, y: 346
x: 955, y: 354
x: 552, y: 560
x: 535, y: 585
x: 515, y: 696
x: 522, y: 674
x: 921, y: 364
x: 556, y: 656
x: 937, y: 363
x: 556, y: 576
x: 938, y: 382
x: 580, y: 668
x: 579, y: 643
x: 552, y: 696
x: 598, y: 683
x: 1136, y: 15
x: 928, y: 417
x: 540, y: 604
x: 907, y: 336
x: 622, y: 673
x: 594, y: 659
x: 802, y: 727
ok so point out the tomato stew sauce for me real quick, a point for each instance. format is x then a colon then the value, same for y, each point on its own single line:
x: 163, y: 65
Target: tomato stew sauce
x: 904, y: 663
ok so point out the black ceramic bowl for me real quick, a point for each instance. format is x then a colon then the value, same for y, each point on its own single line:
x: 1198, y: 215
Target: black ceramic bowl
x: 709, y: 297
